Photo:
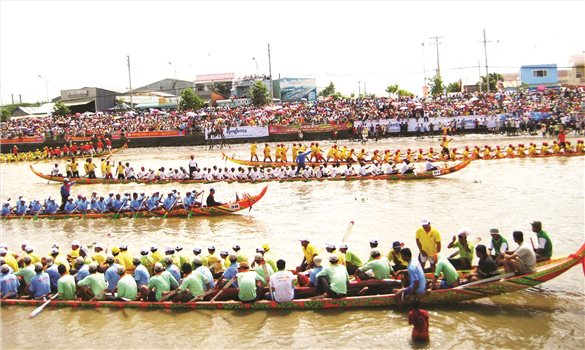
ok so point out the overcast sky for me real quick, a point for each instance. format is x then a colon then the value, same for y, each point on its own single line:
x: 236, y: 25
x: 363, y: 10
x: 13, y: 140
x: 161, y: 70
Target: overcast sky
x: 72, y: 44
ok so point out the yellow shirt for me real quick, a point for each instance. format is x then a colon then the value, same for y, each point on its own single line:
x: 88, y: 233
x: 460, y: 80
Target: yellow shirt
x: 267, y: 151
x: 396, y: 258
x: 34, y: 257
x: 11, y: 261
x: 99, y: 257
x: 156, y: 256
x: 103, y: 167
x: 74, y: 166
x: 126, y: 259
x: 253, y: 149
x: 309, y: 251
x: 428, y: 241
x: 90, y: 166
x: 295, y: 152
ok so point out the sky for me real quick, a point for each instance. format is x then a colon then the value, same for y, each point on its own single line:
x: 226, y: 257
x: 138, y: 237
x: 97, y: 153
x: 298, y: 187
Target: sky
x: 47, y: 46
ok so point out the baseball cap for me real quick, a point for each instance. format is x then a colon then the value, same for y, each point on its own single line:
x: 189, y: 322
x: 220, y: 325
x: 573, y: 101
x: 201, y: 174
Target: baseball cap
x: 494, y: 231
x: 333, y: 259
x: 373, y: 241
x: 265, y: 246
x: 197, y: 261
x: 158, y: 267
x: 235, y: 246
x: 330, y: 246
x: 244, y: 265
x: 258, y: 257
x: 76, y: 243
x: 197, y: 250
x: 211, y: 247
x: 396, y: 244
x: 465, y: 231
x: 536, y: 223
x: 115, y: 250
x: 317, y: 260
x: 3, y: 251
x: 304, y: 239
x: 424, y: 222
x: 121, y: 269
x: 343, y: 246
x: 374, y: 252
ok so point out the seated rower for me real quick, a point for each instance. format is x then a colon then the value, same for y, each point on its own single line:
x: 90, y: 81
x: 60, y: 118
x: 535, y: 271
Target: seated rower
x: 6, y: 210
x: 161, y: 283
x: 395, y: 257
x: 8, y: 283
x: 406, y: 168
x: 450, y: 277
x: 429, y: 166
x: 465, y: 250
x: 521, y: 261
x: 352, y: 261
x: 69, y: 207
x: 211, y: 200
x: 281, y: 284
x: 486, y: 267
x: 249, y: 284
x: 333, y: 279
x: 378, y: 268
x: 193, y: 285
x: 56, y: 172
x: 545, y: 248
x: 498, y: 245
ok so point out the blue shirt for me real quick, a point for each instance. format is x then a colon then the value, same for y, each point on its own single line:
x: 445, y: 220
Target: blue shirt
x: 136, y: 204
x: 141, y: 275
x: 301, y: 157
x: 108, y: 201
x: 175, y: 272
x: 314, y: 271
x: 230, y: 272
x: 6, y: 210
x: 416, y: 273
x: 69, y: 207
x: 205, y: 271
x: 51, y: 207
x: 8, y: 284
x: 169, y: 201
x: 188, y: 201
x: 82, y: 273
x: 35, y: 207
x: 40, y: 285
x: 111, y: 276
x: 20, y: 208
x: 53, y: 275
x: 117, y: 204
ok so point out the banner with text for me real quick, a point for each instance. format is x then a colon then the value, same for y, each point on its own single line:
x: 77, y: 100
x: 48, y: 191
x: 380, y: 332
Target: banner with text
x: 240, y: 132
x: 294, y: 129
x: 27, y: 139
x: 157, y: 133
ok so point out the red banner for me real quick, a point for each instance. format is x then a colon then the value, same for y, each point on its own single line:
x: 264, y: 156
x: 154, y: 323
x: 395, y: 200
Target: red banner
x: 293, y: 129
x: 160, y: 133
x: 17, y: 140
x: 78, y: 138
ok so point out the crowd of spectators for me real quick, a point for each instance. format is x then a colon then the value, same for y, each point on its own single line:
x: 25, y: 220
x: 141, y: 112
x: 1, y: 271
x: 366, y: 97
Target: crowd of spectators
x: 558, y: 103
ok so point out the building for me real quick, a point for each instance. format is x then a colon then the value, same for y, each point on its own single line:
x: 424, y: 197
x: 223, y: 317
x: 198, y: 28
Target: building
x: 144, y: 99
x: 241, y: 86
x: 296, y: 89
x: 575, y: 76
x: 207, y: 85
x: 542, y: 75
x: 89, y: 99
x: 510, y: 81
x: 170, y: 86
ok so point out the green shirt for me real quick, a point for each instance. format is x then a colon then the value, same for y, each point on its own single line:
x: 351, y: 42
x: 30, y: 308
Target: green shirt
x: 148, y: 262
x: 464, y: 254
x: 270, y: 260
x: 449, y: 273
x: 352, y: 258
x: 162, y: 283
x: 66, y: 287
x: 380, y: 267
x: 247, y: 284
x: 260, y: 270
x: 338, y: 277
x: 548, y: 244
x: 127, y: 287
x: 96, y: 282
x: 27, y: 273
x: 195, y: 283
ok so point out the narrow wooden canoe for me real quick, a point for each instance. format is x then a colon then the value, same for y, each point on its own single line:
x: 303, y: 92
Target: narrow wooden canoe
x: 96, y: 155
x: 393, y: 177
x: 475, y: 290
x: 437, y: 158
x: 229, y: 208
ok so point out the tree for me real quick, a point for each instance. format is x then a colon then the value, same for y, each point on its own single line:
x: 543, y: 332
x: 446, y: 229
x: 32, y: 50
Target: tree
x: 395, y: 89
x: 60, y: 109
x: 190, y: 100
x: 5, y: 114
x: 328, y: 91
x: 454, y: 87
x: 220, y: 88
x: 436, y: 85
x: 259, y: 95
x: 494, y: 78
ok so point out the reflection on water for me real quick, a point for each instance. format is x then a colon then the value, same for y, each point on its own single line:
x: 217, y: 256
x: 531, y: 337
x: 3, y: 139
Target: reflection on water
x: 507, y: 194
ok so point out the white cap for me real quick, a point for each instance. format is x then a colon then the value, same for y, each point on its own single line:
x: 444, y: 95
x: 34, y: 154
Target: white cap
x: 465, y: 231
x: 196, y: 250
x: 235, y: 246
x: 55, y: 251
x: 373, y: 241
x: 304, y: 239
x: 76, y: 242
x: 3, y: 251
x: 343, y: 246
x: 99, y: 245
x: 330, y: 246
x: 424, y: 221
x: 211, y: 247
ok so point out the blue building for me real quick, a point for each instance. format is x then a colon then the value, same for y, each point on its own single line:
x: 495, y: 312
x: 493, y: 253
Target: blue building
x: 539, y: 75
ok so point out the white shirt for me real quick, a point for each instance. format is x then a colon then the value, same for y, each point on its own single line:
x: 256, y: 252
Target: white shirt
x: 282, y: 282
x: 192, y: 163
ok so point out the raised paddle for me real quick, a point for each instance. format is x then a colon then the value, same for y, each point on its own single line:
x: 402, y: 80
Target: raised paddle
x: 121, y: 207
x: 172, y: 205
x: 139, y: 207
x: 229, y: 283
x: 40, y: 308
x: 347, y: 231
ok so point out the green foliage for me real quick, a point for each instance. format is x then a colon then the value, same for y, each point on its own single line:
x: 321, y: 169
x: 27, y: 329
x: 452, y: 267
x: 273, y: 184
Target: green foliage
x: 494, y: 78
x: 5, y: 114
x: 189, y: 100
x: 259, y: 95
x: 7, y: 110
x: 220, y: 88
x: 328, y: 91
x: 454, y: 87
x: 60, y: 109
x: 395, y: 89
x: 436, y: 85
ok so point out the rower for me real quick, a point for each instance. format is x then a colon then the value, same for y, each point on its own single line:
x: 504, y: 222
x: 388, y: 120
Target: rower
x: 155, y: 254
x: 309, y: 251
x: 126, y: 257
x: 241, y: 256
x: 6, y: 210
x: 92, y: 286
x: 416, y: 277
x: 69, y: 207
x: 230, y: 272
x: 40, y: 284
x: 429, y: 166
x: 450, y: 277
x: 65, y: 284
x: 21, y: 207
x: 395, y: 256
x: 211, y: 199
x: 161, y: 283
x: 465, y: 250
x: 193, y: 285
x: 486, y: 267
x: 8, y: 283
x: 172, y: 268
x: 333, y: 279
x: 352, y: 261
x: 379, y: 266
x: 127, y: 288
x: 498, y: 245
x: 332, y: 250
x: 262, y: 268
x: 80, y: 269
x: 281, y: 284
x: 141, y: 276
x: 249, y: 284
x: 428, y: 240
x: 523, y: 259
x: 545, y: 247
x: 200, y: 267
x: 111, y: 275
x: 52, y: 270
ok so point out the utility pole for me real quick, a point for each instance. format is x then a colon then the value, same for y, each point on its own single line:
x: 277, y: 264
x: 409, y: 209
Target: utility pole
x: 487, y: 74
x: 437, y: 45
x: 270, y: 75
x: 359, y: 88
x: 424, y: 65
x: 130, y: 83
x: 365, y: 93
x: 479, y: 72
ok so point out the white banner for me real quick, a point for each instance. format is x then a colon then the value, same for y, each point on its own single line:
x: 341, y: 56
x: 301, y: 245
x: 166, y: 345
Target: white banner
x: 240, y: 132
x: 469, y: 124
x: 393, y: 126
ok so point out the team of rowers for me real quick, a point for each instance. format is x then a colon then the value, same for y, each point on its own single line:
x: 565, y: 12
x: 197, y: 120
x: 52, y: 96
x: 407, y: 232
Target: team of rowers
x: 113, y: 203
x: 343, y: 154
x: 177, y: 275
x: 83, y: 149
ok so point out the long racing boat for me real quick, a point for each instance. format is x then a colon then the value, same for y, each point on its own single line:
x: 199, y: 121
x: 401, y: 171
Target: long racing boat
x: 388, y: 177
x: 227, y: 208
x: 30, y: 157
x: 475, y: 290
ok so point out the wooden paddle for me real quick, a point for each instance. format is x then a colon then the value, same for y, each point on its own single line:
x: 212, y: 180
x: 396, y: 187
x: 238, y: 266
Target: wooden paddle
x: 40, y: 308
x: 202, y: 296
x: 139, y: 207
x: 347, y: 231
x: 267, y: 278
x: 229, y: 283
x: 172, y: 205
x: 119, y: 210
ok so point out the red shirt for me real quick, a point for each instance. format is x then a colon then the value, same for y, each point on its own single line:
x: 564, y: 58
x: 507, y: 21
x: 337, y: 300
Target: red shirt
x: 561, y: 137
x: 420, y: 320
x: 100, y: 145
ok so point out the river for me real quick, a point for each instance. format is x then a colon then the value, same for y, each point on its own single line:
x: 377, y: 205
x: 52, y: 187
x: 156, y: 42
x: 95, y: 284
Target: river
x: 507, y: 194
